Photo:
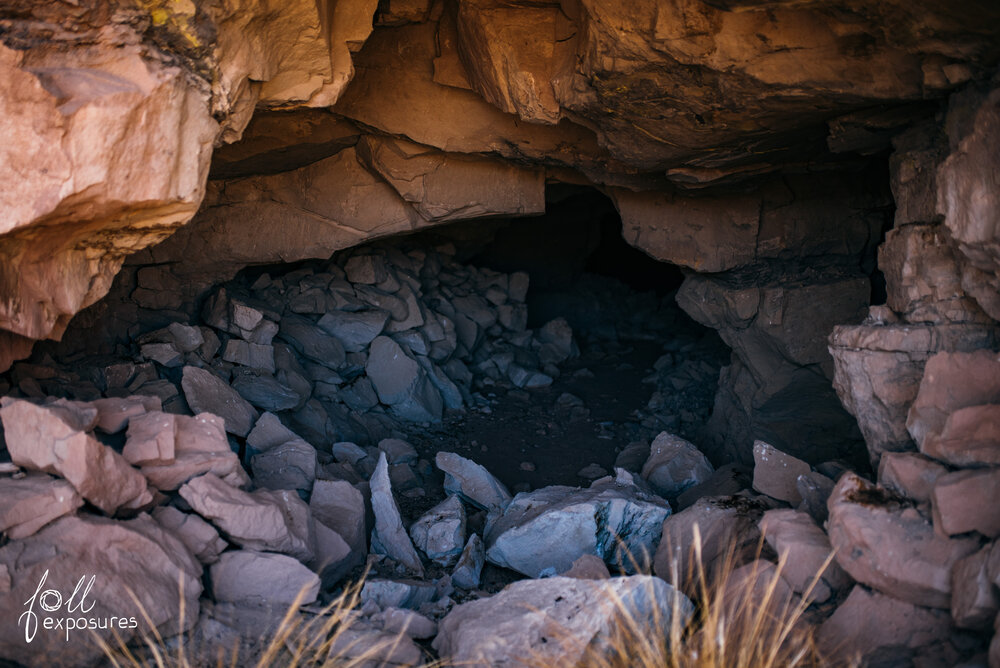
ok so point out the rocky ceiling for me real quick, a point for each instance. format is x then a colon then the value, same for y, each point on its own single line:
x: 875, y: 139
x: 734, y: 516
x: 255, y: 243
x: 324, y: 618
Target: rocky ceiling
x: 322, y: 124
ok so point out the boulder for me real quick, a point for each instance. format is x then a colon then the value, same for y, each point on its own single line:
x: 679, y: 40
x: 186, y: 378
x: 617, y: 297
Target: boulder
x: 970, y: 437
x: 473, y: 482
x: 389, y: 537
x: 909, y: 474
x: 106, y: 563
x: 806, y: 554
x: 29, y: 503
x: 312, y: 341
x: 967, y: 501
x: 200, y: 537
x: 674, y: 465
x: 355, y: 330
x: 952, y: 381
x: 440, y: 532
x: 291, y: 465
x: 556, y: 621
x: 52, y: 438
x: 727, y: 523
x: 882, y: 542
x: 262, y: 578
x: 401, y: 383
x: 207, y: 393
x: 199, y: 445
x: 469, y: 567
x: 276, y: 521
x: 545, y: 531
x: 869, y: 621
x: 776, y: 473
x: 975, y: 599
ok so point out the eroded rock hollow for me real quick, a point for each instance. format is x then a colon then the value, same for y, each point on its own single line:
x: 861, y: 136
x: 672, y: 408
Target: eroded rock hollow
x: 261, y: 264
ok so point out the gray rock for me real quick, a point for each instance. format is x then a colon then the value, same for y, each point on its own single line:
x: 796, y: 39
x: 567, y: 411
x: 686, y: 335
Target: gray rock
x: 815, y: 489
x: 291, y: 465
x: 529, y: 379
x: 360, y: 395
x: 795, y: 537
x: 269, y: 432
x: 469, y: 568
x: 186, y: 338
x: 401, y: 383
x: 363, y: 644
x: 207, y: 393
x: 473, y: 482
x: 632, y: 457
x: 276, y: 521
x: 557, y: 335
x: 355, y: 330
x: 198, y: 536
x: 545, y: 531
x: 366, y: 269
x: 340, y: 506
x: 674, y: 465
x: 334, y: 558
x: 312, y: 341
x: 389, y: 537
x: 398, y: 451
x: 252, y: 355
x: 29, y: 503
x: 261, y: 578
x: 407, y: 622
x: 408, y: 594
x: 350, y: 453
x: 266, y: 392
x: 450, y: 392
x: 164, y: 354
x: 440, y: 532
x: 516, y: 626
x: 517, y: 288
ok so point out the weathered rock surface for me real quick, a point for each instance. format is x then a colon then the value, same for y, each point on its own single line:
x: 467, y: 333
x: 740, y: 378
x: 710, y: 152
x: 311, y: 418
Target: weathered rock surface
x: 909, y: 474
x: 440, y: 532
x: 674, y: 465
x: 401, y: 383
x: 53, y: 439
x: 198, y: 445
x: 276, y: 521
x: 207, y: 393
x: 806, y: 551
x: 262, y: 578
x: 200, y: 537
x: 975, y: 600
x: 776, y: 473
x: 545, y: 531
x: 389, y: 537
x: 473, y: 482
x: 882, y: 543
x: 468, y: 570
x: 29, y: 503
x: 967, y: 501
x: 557, y: 621
x: 136, y: 557
x: 970, y: 437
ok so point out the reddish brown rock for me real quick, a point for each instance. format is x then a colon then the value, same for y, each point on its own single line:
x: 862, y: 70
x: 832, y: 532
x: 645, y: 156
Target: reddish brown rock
x: 775, y: 473
x: 909, y: 474
x: 49, y: 439
x: 869, y: 620
x: 261, y: 578
x: 883, y: 543
x: 196, y: 445
x: 970, y: 437
x: 29, y: 503
x: 134, y: 558
x: 807, y: 555
x: 207, y: 393
x: 200, y: 537
x: 754, y: 587
x: 975, y: 600
x: 588, y: 567
x: 952, y: 381
x: 114, y: 413
x: 967, y: 501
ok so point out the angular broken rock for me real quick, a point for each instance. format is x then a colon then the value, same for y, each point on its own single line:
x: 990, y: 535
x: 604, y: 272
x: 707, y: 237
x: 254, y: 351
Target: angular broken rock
x: 401, y: 383
x: 29, y: 503
x: 362, y: 644
x: 967, y: 500
x: 440, y: 532
x: 261, y: 578
x: 355, y: 330
x: 410, y: 623
x: 545, y: 531
x: 555, y: 621
x: 291, y: 465
x: 952, y: 381
x: 674, y: 465
x: 409, y: 594
x: 276, y: 521
x: 49, y: 438
x: 114, y: 413
x: 334, y: 557
x: 974, y: 598
x: 469, y: 568
x: 807, y: 554
x: 200, y: 537
x: 207, y: 393
x: 473, y: 482
x: 125, y: 558
x: 389, y: 537
x: 269, y: 432
x: 775, y: 473
x: 723, y: 523
x: 588, y: 567
x: 970, y: 437
x: 883, y: 543
x: 909, y: 474
x: 869, y: 620
x: 199, y: 446
x: 338, y: 505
